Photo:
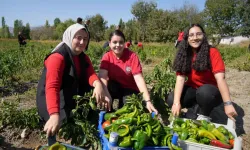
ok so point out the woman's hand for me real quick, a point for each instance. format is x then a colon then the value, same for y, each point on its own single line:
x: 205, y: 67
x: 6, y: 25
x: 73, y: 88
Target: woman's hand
x: 151, y: 107
x: 101, y: 98
x: 230, y: 112
x: 98, y: 92
x: 52, y: 125
x: 176, y: 109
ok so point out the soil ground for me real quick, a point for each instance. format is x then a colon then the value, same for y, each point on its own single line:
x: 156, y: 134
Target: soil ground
x: 239, y: 85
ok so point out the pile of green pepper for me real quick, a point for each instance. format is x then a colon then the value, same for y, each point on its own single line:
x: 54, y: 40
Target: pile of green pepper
x: 201, y: 131
x: 136, y: 128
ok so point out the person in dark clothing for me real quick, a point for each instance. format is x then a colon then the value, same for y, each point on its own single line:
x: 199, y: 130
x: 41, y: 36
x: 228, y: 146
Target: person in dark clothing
x: 67, y: 71
x: 79, y: 20
x: 86, y: 25
x: 21, y: 40
x: 249, y: 47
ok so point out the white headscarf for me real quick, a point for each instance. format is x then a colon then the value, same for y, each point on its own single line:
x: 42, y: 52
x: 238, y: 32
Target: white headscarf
x: 68, y: 35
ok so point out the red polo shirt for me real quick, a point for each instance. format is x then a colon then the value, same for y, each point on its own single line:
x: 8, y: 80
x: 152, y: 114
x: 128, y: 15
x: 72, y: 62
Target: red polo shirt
x: 122, y: 70
x: 197, y: 79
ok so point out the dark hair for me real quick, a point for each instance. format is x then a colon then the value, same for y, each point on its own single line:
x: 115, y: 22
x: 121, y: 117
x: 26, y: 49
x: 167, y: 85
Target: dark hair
x: 183, y: 58
x: 118, y: 33
x: 79, y: 20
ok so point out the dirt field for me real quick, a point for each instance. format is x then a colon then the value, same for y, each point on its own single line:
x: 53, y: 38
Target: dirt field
x: 239, y: 85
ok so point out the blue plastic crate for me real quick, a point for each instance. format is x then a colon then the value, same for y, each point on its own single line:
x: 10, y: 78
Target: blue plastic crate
x: 105, y: 141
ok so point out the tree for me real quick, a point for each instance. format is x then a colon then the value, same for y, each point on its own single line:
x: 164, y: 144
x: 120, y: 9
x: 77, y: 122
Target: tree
x: 244, y: 13
x: 3, y: 22
x: 121, y: 24
x: 220, y: 17
x: 141, y: 11
x: 162, y: 26
x: 108, y: 31
x: 130, y: 29
x: 18, y: 27
x: 97, y: 27
x: 56, y: 22
x: 26, y: 31
x: 187, y: 15
x: 47, y: 24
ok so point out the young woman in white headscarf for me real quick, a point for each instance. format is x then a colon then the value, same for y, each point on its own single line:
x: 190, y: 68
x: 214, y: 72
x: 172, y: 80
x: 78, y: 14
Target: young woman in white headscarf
x: 67, y: 71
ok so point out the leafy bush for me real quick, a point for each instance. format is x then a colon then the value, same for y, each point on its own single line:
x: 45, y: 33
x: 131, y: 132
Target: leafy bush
x: 11, y: 114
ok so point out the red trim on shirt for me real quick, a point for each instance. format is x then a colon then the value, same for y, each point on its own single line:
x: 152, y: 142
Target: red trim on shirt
x: 122, y: 70
x: 55, y: 67
x: 197, y: 79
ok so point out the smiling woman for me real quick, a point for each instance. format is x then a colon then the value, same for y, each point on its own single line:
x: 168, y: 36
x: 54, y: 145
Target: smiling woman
x: 206, y: 87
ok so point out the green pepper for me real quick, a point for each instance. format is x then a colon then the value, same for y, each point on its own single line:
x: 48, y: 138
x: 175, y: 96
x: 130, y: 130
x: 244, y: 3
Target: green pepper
x: 155, y: 140
x: 204, y: 124
x: 109, y: 116
x: 178, y: 121
x: 197, y: 123
x: 157, y: 129
x: 192, y: 125
x: 192, y: 131
x: 107, y: 128
x: 192, y: 140
x: 122, y: 130
x: 194, y: 136
x: 220, y: 136
x: 188, y: 123
x: 126, y: 142
x: 165, y: 139
x: 140, y: 139
x: 184, y: 134
x: 146, y: 118
x: 223, y: 130
x: 210, y: 126
x: 124, y: 121
x: 207, y: 134
x: 184, y: 125
x: 107, y: 135
x: 148, y: 129
x: 230, y: 135
x: 204, y: 141
x: 131, y: 115
x: 124, y: 109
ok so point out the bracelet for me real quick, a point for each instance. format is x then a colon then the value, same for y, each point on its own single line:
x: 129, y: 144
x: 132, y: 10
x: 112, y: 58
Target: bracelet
x: 147, y: 100
x: 228, y: 103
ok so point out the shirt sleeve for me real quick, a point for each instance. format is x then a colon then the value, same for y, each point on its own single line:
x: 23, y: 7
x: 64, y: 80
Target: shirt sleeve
x: 55, y: 66
x: 105, y: 62
x: 216, y: 61
x: 91, y: 75
x: 136, y: 65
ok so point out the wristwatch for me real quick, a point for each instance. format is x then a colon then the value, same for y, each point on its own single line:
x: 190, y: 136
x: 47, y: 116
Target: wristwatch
x: 228, y: 103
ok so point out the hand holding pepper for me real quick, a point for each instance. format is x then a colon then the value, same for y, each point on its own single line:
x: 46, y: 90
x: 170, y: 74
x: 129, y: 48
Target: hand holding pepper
x: 230, y: 112
x: 176, y: 108
x: 151, y: 107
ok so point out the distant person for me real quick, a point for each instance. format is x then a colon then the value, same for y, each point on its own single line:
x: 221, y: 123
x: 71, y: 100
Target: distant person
x: 249, y: 48
x: 180, y: 38
x: 21, y: 39
x: 79, y: 20
x: 86, y: 25
x: 140, y: 45
x: 128, y: 44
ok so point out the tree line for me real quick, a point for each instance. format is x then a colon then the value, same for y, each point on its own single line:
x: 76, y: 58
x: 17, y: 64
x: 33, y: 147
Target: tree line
x: 150, y: 24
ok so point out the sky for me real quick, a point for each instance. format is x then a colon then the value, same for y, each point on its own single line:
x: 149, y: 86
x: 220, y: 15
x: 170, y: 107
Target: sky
x: 36, y: 12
